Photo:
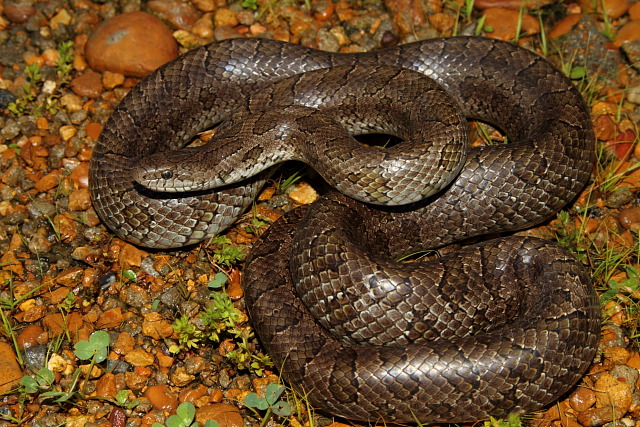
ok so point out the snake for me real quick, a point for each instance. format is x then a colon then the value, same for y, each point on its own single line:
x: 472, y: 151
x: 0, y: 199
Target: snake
x: 501, y: 325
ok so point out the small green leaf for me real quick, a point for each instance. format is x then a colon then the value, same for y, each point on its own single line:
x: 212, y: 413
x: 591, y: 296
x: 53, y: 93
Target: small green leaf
x: 186, y: 411
x: 130, y: 275
x: 273, y: 392
x: 577, y: 73
x: 84, y: 350
x: 45, y: 377
x: 211, y: 423
x: 218, y: 281
x: 281, y: 408
x: 30, y: 384
x: 253, y: 401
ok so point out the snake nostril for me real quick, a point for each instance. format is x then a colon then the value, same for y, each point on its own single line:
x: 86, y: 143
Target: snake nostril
x: 166, y: 175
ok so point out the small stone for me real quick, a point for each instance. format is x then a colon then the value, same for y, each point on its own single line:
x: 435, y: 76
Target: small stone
x: 106, y: 386
x: 303, y: 194
x: 124, y: 344
x: 180, y: 14
x: 616, y: 355
x: 156, y: 327
x: 57, y: 324
x: 30, y: 336
x: 110, y: 319
x: 630, y: 216
x: 87, y: 84
x: 181, y: 378
x: 627, y: 33
x: 111, y: 80
x: 504, y: 23
x: 634, y: 361
x: 18, y: 11
x: 614, y: 8
x: 443, y: 22
x: 133, y: 44
x: 70, y: 277
x: 134, y: 380
x: 226, y: 415
x: 79, y: 200
x: 49, y: 181
x: 71, y: 102
x: 224, y: 17
x: 595, y: 417
x: 80, y: 175
x: 139, y: 357
x: 10, y: 372
x: 634, y: 11
x: 582, y: 399
x: 625, y: 374
x: 60, y: 18
x: 161, y: 398
x: 511, y: 4
x: 203, y: 28
x: 610, y: 391
x: 204, y: 5
x: 93, y: 130
x: 67, y: 132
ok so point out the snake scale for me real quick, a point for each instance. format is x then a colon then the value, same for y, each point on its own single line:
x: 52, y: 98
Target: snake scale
x: 508, y: 325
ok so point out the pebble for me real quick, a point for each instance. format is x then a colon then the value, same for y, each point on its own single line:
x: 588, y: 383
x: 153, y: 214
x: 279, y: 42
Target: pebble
x: 180, y: 14
x: 611, y: 392
x: 628, y: 33
x: 87, y: 84
x: 156, y: 327
x: 582, y: 399
x: 224, y: 17
x: 511, y: 4
x: 629, y: 216
x: 132, y: 44
x: 31, y: 336
x: 614, y: 8
x: 504, y: 23
x: 10, y: 372
x: 106, y: 386
x: 18, y: 11
x: 162, y: 398
x: 139, y: 357
x: 226, y: 415
x: 303, y: 194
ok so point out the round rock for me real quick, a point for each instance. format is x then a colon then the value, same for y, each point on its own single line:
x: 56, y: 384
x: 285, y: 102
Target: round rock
x: 133, y: 44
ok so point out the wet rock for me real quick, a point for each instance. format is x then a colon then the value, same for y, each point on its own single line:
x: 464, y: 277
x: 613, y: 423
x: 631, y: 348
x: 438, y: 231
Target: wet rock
x: 613, y: 8
x: 180, y: 14
x: 87, y: 84
x: 6, y: 98
x: 161, y: 398
x: 31, y: 336
x: 156, y: 327
x: 504, y: 23
x: 10, y: 372
x: 629, y: 32
x: 226, y: 415
x: 511, y: 4
x: 610, y: 391
x: 133, y: 44
x: 582, y: 399
x: 19, y: 11
x: 630, y: 216
x: 595, y: 417
x: 139, y: 357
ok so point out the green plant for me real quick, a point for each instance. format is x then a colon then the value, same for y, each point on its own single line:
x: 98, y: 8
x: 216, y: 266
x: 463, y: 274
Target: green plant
x: 513, y: 421
x: 184, y: 417
x: 249, y: 4
x: 30, y: 90
x: 188, y: 335
x: 270, y: 403
x: 225, y: 253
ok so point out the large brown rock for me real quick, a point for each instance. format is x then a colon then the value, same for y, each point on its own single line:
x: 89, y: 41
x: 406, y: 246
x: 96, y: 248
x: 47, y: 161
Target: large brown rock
x: 133, y: 44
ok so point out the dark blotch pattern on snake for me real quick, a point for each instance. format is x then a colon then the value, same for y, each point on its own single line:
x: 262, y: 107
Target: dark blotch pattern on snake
x: 508, y: 325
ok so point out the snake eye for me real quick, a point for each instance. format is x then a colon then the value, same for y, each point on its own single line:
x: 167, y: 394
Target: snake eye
x: 166, y: 175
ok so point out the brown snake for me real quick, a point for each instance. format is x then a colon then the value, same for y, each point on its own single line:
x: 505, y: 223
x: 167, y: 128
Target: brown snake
x: 508, y: 325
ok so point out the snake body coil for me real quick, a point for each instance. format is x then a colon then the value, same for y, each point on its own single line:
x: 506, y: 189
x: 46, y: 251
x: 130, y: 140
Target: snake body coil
x: 509, y: 325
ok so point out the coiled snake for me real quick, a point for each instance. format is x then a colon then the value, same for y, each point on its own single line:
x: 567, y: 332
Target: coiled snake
x: 508, y: 325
